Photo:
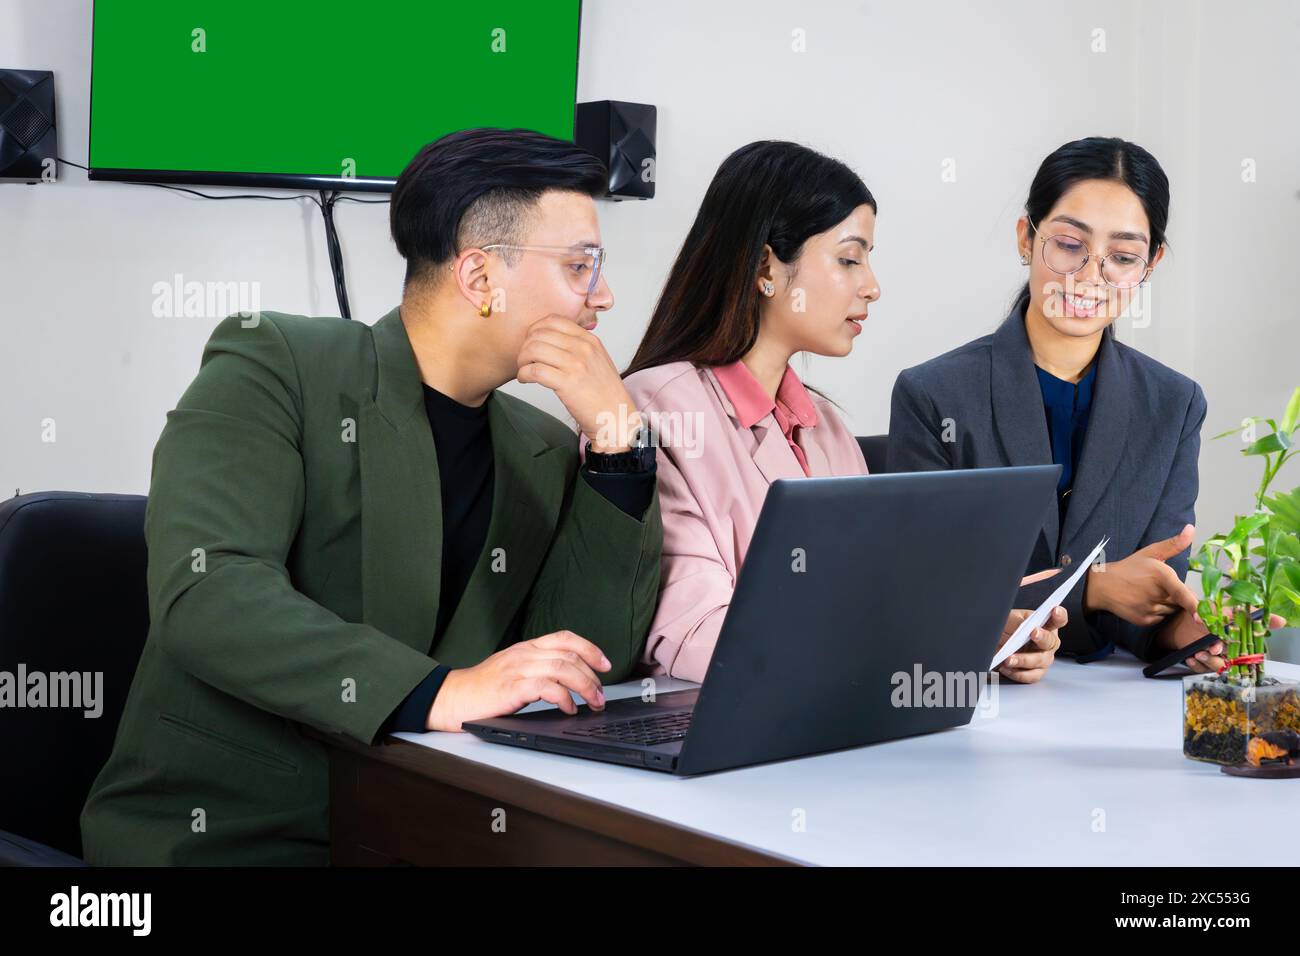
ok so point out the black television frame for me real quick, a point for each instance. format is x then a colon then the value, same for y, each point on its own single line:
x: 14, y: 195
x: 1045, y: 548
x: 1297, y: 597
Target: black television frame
x: 260, y: 180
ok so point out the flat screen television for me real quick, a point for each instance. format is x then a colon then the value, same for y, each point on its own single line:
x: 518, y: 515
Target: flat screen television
x: 319, y: 94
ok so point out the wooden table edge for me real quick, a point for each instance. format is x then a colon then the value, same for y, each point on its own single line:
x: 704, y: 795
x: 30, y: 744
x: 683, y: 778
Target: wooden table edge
x: 609, y: 820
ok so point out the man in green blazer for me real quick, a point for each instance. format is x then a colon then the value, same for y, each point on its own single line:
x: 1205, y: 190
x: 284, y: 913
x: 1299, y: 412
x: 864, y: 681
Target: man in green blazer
x: 350, y: 529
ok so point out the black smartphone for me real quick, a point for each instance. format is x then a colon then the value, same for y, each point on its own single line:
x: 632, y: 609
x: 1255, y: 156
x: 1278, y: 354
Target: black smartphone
x: 1178, y: 656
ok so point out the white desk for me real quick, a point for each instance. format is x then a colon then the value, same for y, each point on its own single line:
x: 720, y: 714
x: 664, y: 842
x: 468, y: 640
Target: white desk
x: 1018, y: 788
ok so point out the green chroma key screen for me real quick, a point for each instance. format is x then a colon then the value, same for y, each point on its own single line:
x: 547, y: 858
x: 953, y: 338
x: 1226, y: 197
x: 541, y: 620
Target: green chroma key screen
x: 285, y: 89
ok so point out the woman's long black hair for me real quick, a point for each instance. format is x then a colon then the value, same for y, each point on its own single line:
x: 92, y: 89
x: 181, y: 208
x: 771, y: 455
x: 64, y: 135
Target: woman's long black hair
x: 767, y: 193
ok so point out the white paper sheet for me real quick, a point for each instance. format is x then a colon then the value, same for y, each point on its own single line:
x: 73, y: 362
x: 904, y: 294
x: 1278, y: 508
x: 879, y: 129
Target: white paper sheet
x: 1021, y: 637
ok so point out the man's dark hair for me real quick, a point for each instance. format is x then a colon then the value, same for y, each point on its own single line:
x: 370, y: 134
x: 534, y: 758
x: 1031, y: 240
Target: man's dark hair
x: 475, y: 187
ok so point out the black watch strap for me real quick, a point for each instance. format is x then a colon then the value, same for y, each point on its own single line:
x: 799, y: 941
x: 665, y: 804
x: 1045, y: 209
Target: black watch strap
x: 636, y: 460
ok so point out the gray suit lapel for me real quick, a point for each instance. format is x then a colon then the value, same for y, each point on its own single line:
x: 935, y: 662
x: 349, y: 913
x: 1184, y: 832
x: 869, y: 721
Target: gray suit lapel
x: 1103, y: 446
x: 1018, y: 412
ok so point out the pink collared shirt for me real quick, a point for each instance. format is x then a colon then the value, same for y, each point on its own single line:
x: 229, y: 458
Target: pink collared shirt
x: 792, y: 407
x: 721, y: 445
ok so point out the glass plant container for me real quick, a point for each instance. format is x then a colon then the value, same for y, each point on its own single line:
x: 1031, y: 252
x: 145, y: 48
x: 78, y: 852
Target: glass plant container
x: 1233, y: 722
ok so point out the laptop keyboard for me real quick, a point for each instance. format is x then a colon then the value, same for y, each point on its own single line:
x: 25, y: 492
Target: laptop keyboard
x: 646, y: 731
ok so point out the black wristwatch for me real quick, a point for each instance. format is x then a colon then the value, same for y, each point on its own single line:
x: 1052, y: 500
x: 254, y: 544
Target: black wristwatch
x: 638, y: 459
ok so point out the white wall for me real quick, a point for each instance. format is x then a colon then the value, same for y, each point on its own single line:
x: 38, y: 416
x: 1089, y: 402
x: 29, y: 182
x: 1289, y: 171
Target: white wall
x: 893, y: 88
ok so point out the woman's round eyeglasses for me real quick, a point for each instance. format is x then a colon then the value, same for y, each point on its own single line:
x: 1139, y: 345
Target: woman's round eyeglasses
x: 1066, y: 255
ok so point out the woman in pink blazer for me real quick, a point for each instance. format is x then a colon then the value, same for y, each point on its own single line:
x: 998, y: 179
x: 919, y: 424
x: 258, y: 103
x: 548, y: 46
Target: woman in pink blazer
x: 775, y: 263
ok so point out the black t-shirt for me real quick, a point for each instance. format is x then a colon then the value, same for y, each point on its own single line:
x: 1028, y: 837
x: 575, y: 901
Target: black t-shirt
x: 463, y: 442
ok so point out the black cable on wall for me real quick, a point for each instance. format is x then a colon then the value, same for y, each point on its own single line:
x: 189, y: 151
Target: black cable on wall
x: 326, y: 203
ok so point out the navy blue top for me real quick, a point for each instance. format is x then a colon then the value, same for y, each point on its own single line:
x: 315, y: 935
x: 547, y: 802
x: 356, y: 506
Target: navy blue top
x: 1067, y: 405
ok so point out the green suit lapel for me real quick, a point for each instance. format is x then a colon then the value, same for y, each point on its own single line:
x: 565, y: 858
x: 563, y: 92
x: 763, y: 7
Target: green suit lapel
x: 528, y: 492
x: 401, y: 520
x: 401, y: 508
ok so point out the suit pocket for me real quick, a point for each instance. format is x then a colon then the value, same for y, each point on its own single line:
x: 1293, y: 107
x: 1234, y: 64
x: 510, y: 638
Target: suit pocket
x: 227, y: 744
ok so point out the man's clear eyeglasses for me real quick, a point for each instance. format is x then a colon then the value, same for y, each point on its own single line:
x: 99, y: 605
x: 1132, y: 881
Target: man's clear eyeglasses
x: 582, y: 265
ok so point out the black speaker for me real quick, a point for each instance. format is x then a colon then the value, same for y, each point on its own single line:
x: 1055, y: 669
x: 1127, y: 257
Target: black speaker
x: 28, y: 137
x: 622, y: 136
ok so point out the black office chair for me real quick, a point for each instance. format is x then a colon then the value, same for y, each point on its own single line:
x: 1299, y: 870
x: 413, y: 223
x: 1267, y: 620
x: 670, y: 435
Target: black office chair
x: 72, y: 598
x: 874, y: 450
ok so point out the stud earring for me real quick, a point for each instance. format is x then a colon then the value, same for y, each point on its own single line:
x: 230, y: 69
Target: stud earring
x: 485, y: 309
x: 768, y: 288
x: 1024, y: 260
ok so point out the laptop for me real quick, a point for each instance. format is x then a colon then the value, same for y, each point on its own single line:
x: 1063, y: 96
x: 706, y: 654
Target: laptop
x: 853, y: 588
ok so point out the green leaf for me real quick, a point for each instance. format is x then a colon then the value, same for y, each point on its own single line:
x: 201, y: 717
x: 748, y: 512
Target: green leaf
x: 1292, y: 613
x: 1270, y: 570
x: 1245, y: 527
x: 1245, y: 592
x: 1206, y: 555
x: 1242, y: 427
x: 1269, y: 444
x: 1211, y: 578
x: 1292, y: 413
x: 1286, y: 506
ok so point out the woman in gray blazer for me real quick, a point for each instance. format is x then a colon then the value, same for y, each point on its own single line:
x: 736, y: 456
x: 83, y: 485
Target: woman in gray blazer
x: 1053, y: 385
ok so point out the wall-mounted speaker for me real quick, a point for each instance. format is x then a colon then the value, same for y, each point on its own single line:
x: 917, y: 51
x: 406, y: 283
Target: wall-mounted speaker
x: 29, y: 142
x: 622, y: 136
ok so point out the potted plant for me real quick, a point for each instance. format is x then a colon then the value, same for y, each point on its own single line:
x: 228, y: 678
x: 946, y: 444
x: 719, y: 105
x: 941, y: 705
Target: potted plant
x: 1241, y: 717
